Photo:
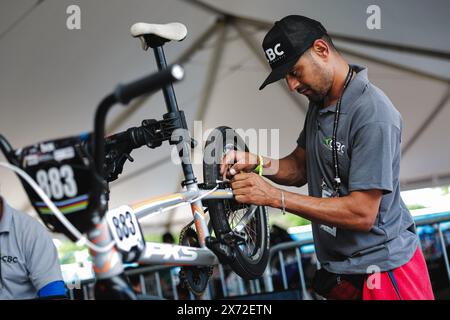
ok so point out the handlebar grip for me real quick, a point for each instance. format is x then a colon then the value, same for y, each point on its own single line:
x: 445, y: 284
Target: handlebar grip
x: 124, y: 93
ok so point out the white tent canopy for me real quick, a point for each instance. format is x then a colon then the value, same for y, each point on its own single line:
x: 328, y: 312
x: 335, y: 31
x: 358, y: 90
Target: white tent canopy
x: 52, y: 78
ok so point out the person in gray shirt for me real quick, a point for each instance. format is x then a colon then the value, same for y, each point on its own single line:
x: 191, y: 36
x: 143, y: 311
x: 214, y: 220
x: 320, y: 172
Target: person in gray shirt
x: 29, y: 265
x: 349, y: 154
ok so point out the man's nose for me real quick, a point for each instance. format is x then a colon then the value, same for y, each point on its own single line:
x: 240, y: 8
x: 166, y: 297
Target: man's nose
x: 292, y: 82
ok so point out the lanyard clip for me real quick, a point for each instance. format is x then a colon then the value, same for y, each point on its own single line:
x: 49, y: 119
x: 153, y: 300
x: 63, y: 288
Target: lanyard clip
x: 337, y: 185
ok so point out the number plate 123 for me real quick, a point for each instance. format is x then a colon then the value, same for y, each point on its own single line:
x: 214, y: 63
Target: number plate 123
x: 125, y: 228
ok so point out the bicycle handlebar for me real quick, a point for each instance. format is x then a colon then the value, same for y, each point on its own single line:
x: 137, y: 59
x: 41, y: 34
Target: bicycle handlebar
x: 124, y: 93
x: 118, y: 148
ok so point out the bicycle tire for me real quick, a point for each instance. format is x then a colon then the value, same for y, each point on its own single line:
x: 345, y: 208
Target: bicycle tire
x: 249, y: 263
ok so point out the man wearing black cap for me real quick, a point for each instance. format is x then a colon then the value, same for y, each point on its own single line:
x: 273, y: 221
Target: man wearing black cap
x: 349, y: 154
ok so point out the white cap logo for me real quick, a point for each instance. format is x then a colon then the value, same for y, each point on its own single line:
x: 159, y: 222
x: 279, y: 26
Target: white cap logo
x: 272, y: 54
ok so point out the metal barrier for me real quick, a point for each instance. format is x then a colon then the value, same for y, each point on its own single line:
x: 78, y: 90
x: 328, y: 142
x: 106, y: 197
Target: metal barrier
x: 435, y: 220
x: 278, y: 249
x: 162, y: 282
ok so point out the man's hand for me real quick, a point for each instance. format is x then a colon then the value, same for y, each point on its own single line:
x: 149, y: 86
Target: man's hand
x: 236, y: 161
x: 250, y: 188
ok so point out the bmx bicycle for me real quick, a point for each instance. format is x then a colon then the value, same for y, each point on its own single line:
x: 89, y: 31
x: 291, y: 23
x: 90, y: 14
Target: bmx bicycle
x: 67, y: 182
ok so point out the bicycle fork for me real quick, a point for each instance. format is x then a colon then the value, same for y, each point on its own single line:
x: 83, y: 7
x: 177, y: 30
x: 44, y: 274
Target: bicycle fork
x: 108, y: 266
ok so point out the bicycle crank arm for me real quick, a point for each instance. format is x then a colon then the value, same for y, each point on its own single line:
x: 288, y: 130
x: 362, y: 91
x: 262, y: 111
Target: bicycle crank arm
x: 224, y: 252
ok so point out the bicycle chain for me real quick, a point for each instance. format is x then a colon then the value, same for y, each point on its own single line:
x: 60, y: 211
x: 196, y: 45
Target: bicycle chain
x: 188, y: 273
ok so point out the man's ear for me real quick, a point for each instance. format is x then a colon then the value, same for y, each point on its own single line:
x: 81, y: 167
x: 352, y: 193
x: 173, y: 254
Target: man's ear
x: 321, y: 48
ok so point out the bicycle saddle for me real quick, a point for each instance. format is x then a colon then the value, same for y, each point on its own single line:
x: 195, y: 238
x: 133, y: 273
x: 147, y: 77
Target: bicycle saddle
x: 152, y: 35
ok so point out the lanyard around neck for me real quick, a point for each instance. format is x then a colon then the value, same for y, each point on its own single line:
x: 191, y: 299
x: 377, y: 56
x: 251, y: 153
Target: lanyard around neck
x: 337, y: 179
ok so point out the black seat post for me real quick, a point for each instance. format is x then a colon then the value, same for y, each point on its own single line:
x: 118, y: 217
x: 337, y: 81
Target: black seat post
x: 172, y: 106
x: 169, y: 92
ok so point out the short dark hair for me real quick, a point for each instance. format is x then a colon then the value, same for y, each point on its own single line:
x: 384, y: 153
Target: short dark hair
x: 328, y: 40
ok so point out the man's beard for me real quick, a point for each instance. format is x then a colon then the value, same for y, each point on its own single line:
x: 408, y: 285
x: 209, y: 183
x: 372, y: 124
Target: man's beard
x: 314, y: 96
x: 318, y: 94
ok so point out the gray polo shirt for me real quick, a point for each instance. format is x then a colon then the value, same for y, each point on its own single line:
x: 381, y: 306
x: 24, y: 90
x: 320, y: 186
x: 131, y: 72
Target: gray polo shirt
x: 368, y: 142
x: 28, y: 257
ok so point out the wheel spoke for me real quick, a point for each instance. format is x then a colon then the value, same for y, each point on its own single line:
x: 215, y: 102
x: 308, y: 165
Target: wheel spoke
x: 245, y: 218
x: 247, y: 223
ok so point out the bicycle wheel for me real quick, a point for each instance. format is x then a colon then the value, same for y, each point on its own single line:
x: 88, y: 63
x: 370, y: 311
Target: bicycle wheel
x: 251, y: 255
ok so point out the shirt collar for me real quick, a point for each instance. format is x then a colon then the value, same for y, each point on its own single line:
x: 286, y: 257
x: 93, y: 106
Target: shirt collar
x: 6, y: 221
x: 353, y: 91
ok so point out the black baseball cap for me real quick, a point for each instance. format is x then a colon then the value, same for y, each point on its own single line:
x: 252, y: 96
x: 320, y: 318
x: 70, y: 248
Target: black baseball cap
x: 288, y: 39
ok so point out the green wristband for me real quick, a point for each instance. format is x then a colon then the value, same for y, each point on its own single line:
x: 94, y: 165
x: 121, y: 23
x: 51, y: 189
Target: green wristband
x: 259, y: 167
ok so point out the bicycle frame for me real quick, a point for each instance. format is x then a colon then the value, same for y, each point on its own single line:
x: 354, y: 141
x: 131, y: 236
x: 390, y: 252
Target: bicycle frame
x: 108, y: 264
x: 107, y: 260
x: 183, y: 255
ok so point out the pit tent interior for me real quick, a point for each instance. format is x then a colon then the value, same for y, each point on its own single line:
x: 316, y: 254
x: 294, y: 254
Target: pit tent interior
x: 52, y: 78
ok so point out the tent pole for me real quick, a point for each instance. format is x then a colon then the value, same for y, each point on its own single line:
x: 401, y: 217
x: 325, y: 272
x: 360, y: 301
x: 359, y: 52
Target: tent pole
x: 428, y: 121
x: 394, y: 47
x: 198, y: 43
x: 213, y: 68
x: 206, y: 7
x: 361, y: 41
x: 394, y: 65
x: 20, y: 19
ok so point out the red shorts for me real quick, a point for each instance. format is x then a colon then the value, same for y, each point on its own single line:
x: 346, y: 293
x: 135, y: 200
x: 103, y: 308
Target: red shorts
x: 408, y: 282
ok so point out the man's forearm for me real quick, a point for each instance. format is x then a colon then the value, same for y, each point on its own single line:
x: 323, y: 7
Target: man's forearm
x: 344, y: 212
x: 284, y: 171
